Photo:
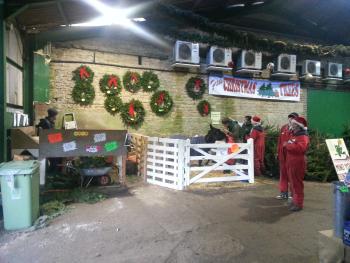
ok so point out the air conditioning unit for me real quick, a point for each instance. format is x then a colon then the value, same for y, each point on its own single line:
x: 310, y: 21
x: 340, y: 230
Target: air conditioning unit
x: 286, y: 63
x: 312, y: 67
x: 334, y: 70
x: 186, y: 52
x: 219, y: 56
x: 249, y: 60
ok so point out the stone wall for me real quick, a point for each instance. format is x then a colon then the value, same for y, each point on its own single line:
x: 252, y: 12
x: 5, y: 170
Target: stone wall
x: 119, y: 55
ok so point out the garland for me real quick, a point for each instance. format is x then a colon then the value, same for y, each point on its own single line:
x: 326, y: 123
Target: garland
x: 110, y: 84
x: 150, y: 81
x: 83, y: 74
x: 204, y: 108
x: 161, y: 102
x: 195, y: 88
x: 133, y: 113
x: 230, y: 36
x: 132, y: 81
x: 83, y: 92
x: 113, y: 104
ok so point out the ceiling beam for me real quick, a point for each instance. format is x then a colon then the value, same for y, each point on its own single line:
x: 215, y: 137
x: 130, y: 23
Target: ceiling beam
x: 15, y: 11
x: 62, y: 13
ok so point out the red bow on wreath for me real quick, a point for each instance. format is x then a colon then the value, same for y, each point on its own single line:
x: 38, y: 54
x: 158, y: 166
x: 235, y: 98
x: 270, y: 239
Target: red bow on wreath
x: 206, y: 109
x: 83, y: 73
x: 134, y: 78
x: 112, y: 82
x: 160, y: 99
x: 131, y: 110
x: 197, y: 85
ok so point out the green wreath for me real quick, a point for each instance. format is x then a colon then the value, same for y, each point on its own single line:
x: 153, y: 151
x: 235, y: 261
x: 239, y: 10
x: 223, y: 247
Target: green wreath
x: 110, y: 84
x: 133, y: 113
x: 161, y: 102
x: 195, y: 88
x: 204, y: 108
x: 132, y: 81
x: 83, y: 93
x: 113, y: 104
x: 83, y: 74
x: 150, y: 81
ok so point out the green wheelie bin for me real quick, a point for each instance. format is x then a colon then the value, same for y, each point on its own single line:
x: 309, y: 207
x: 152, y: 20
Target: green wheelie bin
x: 20, y: 193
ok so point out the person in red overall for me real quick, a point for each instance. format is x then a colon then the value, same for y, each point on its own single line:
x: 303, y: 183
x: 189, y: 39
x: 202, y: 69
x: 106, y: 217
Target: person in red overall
x: 258, y: 135
x: 285, y: 133
x: 295, y: 150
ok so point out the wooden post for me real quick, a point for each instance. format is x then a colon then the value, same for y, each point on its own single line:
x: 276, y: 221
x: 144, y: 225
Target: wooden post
x: 121, y: 162
x: 187, y: 162
x: 144, y: 156
x: 251, y: 160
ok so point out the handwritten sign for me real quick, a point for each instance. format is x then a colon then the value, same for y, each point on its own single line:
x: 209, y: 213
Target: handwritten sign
x: 85, y: 142
x: 100, y: 137
x: 215, y: 117
x: 93, y: 148
x: 111, y: 146
x: 340, y: 157
x: 55, y: 137
x: 69, y: 146
x: 81, y: 133
x: 255, y: 89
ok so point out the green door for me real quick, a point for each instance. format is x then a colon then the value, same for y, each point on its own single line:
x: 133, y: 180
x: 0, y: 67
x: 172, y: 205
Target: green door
x: 41, y: 79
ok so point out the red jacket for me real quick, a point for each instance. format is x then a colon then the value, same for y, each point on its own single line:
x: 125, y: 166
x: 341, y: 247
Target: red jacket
x: 284, y: 136
x: 296, y: 148
x: 258, y: 135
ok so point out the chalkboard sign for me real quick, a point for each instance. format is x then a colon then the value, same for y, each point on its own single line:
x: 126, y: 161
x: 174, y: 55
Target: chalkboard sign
x: 70, y: 143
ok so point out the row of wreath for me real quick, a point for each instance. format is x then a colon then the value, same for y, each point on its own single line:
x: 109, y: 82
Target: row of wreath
x: 133, y: 112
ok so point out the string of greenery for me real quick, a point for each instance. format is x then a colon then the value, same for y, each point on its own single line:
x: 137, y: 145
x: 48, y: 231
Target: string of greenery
x: 225, y: 35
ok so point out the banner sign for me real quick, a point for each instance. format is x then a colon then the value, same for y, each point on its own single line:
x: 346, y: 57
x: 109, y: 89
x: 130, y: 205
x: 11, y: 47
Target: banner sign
x: 340, y: 158
x: 255, y: 89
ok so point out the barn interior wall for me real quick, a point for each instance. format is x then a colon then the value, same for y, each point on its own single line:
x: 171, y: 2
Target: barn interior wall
x: 117, y: 55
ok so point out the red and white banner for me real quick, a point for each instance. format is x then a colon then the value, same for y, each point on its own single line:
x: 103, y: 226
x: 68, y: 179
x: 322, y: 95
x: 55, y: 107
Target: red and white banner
x: 255, y: 89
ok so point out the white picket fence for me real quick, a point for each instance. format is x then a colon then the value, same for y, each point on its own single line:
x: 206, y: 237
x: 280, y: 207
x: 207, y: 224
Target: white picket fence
x: 169, y: 164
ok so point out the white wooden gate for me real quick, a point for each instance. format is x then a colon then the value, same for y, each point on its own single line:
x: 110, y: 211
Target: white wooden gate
x: 169, y: 163
x: 217, y: 155
x: 165, y: 162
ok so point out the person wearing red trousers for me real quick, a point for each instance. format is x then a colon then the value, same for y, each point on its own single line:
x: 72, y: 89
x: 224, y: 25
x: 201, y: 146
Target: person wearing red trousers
x: 283, y: 137
x: 295, y: 150
x: 258, y: 135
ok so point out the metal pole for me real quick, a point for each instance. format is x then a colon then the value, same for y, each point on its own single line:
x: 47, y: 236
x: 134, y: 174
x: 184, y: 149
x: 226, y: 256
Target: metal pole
x: 3, y: 146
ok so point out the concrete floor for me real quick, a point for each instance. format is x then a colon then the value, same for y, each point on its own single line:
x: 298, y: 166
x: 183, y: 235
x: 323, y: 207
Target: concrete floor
x: 154, y: 224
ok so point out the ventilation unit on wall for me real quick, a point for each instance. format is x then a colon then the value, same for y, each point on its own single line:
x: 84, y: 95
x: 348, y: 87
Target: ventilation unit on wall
x: 249, y: 60
x: 218, y: 59
x: 312, y: 67
x: 186, y: 54
x: 334, y: 71
x: 286, y: 63
x: 219, y: 56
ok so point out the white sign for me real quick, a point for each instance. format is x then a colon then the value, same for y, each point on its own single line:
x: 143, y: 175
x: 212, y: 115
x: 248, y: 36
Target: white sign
x: 69, y: 146
x: 100, y: 137
x: 215, y: 117
x: 340, y: 157
x: 255, y: 89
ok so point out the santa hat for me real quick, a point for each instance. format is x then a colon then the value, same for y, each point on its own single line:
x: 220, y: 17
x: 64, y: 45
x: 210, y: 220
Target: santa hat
x: 301, y: 122
x: 256, y: 120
